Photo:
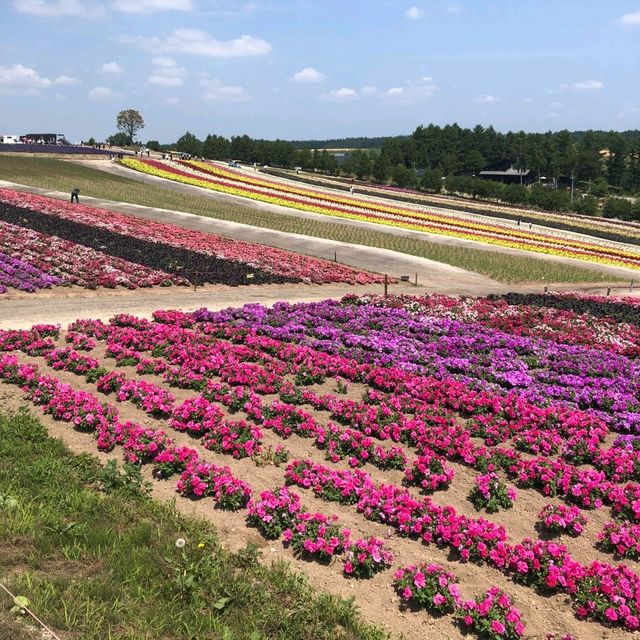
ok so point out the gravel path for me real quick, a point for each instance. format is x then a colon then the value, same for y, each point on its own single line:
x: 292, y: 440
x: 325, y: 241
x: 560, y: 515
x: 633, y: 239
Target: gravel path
x: 430, y: 273
x: 113, y: 168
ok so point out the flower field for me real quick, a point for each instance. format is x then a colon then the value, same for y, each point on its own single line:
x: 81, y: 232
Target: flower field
x: 552, y: 242
x: 609, y: 228
x: 478, y: 459
x: 46, y: 243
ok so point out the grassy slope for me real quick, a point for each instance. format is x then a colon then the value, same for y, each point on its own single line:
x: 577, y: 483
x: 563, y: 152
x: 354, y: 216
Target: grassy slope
x: 101, y: 565
x: 64, y: 176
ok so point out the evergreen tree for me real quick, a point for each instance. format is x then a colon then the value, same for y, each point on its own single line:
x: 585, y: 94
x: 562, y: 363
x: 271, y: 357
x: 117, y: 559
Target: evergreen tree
x: 381, y: 169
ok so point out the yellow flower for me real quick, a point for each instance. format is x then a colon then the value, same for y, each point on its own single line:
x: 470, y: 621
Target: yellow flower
x: 201, y: 545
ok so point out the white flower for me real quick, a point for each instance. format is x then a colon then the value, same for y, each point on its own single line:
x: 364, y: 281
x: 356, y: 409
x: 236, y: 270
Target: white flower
x: 180, y: 542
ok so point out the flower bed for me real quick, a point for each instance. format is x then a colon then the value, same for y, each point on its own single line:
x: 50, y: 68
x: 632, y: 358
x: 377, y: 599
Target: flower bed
x: 551, y: 242
x: 201, y: 252
x: 428, y: 400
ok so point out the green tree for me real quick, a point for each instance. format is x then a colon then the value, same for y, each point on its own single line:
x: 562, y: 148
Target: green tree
x: 129, y: 122
x: 404, y: 177
x: 588, y: 162
x: 616, y: 162
x: 587, y: 205
x: 242, y: 148
x: 381, y: 169
x: 599, y: 188
x: 363, y: 166
x: 450, y: 163
x: 188, y: 143
x: 473, y: 162
x: 432, y: 180
x: 154, y: 145
x: 216, y: 147
x: 119, y: 139
x: 514, y: 194
x: 617, y: 208
x: 305, y: 159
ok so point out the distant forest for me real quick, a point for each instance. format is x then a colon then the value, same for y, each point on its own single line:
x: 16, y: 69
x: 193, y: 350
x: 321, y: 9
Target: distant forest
x: 609, y: 159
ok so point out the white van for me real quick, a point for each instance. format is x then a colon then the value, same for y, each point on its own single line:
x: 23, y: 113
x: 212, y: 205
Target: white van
x: 9, y: 139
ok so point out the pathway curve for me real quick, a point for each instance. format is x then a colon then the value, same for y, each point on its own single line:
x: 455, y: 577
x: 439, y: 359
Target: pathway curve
x: 116, y: 169
x: 430, y: 272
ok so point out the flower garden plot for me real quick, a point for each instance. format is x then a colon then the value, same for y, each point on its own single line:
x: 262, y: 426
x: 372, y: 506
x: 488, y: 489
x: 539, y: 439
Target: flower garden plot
x: 551, y: 242
x: 626, y: 310
x: 197, y: 396
x: 542, y: 371
x: 17, y: 274
x: 35, y: 261
x: 187, y: 265
x: 242, y: 256
x: 571, y: 319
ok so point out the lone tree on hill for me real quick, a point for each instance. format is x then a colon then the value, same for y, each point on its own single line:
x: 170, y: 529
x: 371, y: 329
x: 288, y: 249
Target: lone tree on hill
x: 129, y: 122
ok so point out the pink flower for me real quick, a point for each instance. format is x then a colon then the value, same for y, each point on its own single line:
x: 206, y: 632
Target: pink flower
x: 497, y: 627
x: 611, y: 614
x: 419, y: 580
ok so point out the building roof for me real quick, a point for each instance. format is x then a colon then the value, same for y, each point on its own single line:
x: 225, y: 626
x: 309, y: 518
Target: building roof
x: 508, y: 172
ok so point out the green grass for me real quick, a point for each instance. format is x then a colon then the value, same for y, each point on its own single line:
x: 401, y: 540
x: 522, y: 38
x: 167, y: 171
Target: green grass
x: 98, y: 565
x: 63, y: 176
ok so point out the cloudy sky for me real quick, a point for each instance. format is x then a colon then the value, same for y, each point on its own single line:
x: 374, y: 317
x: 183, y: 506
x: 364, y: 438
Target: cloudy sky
x: 317, y: 68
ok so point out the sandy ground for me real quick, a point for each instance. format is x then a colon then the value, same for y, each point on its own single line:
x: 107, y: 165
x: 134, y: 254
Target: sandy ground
x: 116, y: 169
x: 376, y: 598
x: 61, y: 305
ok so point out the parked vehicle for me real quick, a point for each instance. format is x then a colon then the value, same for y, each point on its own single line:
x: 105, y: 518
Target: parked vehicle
x: 8, y: 139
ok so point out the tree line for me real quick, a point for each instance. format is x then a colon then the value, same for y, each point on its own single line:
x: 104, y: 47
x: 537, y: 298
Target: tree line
x: 588, y: 156
x: 435, y: 158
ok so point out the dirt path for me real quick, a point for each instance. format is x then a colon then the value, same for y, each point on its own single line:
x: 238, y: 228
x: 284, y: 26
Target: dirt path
x: 110, y: 167
x: 63, y: 306
x: 429, y: 272
x: 376, y: 598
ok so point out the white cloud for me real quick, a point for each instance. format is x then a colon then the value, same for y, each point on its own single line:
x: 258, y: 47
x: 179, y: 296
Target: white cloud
x: 166, y: 72
x: 151, y: 6
x: 199, y: 43
x: 19, y: 79
x: 111, y: 67
x: 217, y: 91
x: 414, y: 13
x: 340, y: 95
x: 414, y: 91
x: 100, y: 94
x: 65, y: 80
x: 172, y: 101
x: 528, y: 100
x: 454, y: 10
x: 45, y: 9
x: 587, y: 85
x: 487, y: 98
x: 556, y: 105
x: 308, y: 74
x: 630, y: 19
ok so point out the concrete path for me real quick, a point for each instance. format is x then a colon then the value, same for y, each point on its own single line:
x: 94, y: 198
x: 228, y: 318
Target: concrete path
x: 430, y: 273
x: 63, y: 306
x: 116, y: 169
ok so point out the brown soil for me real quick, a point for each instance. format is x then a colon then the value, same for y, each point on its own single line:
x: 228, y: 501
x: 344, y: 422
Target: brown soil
x: 376, y: 598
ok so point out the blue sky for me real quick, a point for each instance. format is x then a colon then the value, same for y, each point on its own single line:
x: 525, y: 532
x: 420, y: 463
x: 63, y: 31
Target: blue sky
x: 317, y: 68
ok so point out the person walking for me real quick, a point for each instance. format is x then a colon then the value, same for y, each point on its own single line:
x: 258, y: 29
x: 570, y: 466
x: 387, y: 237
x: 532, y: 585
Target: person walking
x: 74, y: 195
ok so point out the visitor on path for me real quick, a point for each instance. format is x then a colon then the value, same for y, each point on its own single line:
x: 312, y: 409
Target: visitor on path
x: 74, y: 195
